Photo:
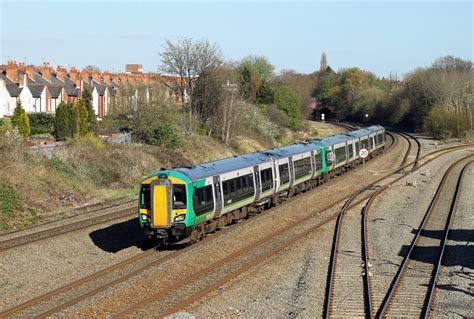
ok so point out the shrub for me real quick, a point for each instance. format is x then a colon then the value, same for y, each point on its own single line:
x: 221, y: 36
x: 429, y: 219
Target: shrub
x: 277, y: 116
x: 287, y: 100
x: 21, y: 120
x: 41, y: 123
x: 65, y: 123
x: 165, y: 135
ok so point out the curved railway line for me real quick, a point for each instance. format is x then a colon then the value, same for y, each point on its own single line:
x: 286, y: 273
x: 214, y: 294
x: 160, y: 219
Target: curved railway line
x: 351, y: 276
x: 207, y: 278
x: 411, y: 291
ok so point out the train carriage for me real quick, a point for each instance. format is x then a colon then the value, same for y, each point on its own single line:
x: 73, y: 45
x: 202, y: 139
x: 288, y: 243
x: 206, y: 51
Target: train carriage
x: 191, y: 201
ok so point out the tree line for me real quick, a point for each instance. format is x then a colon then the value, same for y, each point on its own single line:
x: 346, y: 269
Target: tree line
x: 437, y: 100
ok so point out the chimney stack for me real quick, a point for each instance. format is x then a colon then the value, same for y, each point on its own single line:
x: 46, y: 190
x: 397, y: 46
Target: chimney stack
x: 116, y: 78
x: 85, y: 75
x: 96, y: 76
x: 12, y: 70
x: 106, y: 76
x: 30, y: 72
x: 46, y: 71
x: 61, y: 72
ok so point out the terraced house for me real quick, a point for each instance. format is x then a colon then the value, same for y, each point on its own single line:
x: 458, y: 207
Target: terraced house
x: 43, y: 88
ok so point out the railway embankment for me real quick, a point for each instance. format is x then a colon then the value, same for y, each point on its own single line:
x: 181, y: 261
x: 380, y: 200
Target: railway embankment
x: 38, y: 187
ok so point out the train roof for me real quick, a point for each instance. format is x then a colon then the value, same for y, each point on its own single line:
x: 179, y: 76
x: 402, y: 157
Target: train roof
x: 374, y: 128
x: 200, y: 171
x: 360, y: 133
x: 336, y: 139
x: 291, y: 150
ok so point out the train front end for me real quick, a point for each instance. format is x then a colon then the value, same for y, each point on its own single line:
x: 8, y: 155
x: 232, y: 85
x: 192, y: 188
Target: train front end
x: 165, y: 207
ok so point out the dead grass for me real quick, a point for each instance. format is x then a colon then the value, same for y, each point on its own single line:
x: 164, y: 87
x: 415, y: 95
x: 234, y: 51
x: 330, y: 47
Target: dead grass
x: 34, y: 185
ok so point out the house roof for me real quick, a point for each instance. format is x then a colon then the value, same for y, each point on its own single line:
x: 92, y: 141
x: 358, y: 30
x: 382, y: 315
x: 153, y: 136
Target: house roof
x: 55, y: 91
x: 70, y: 87
x: 36, y: 90
x: 11, y: 86
x: 100, y: 88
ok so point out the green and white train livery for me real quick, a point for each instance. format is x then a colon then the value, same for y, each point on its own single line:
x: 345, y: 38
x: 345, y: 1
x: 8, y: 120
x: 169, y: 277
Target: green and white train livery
x: 192, y: 201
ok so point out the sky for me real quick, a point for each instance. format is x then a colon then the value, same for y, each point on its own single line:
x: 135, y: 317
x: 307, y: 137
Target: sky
x: 384, y: 37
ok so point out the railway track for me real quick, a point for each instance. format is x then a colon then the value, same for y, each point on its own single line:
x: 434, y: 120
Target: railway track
x: 19, y: 241
x: 409, y: 138
x: 411, y: 291
x: 346, y: 294
x: 80, y: 211
x: 348, y: 288
x: 73, y: 293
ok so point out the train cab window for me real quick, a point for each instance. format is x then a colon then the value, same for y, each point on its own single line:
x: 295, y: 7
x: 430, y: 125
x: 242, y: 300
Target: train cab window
x: 380, y: 137
x: 371, y: 143
x: 318, y: 160
x: 203, y: 199
x: 179, y: 196
x: 357, y: 147
x: 145, y: 197
x: 284, y: 173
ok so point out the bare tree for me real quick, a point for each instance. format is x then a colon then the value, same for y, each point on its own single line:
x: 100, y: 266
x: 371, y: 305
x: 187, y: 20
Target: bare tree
x: 188, y: 59
x: 228, y: 113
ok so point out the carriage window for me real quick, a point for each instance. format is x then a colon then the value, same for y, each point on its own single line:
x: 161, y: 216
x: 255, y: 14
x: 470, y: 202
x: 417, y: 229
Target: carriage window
x: 179, y: 196
x: 266, y: 178
x: 284, y: 173
x: 340, y: 154
x: 203, y: 199
x: 302, y: 167
x: 351, y: 150
x: 318, y: 159
x: 238, y: 188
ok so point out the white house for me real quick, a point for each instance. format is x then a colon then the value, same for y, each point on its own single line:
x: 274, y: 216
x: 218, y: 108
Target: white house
x: 100, y: 99
x: 9, y: 93
x: 33, y: 98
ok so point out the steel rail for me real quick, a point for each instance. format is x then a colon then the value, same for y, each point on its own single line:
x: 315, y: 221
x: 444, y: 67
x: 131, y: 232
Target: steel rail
x: 452, y: 211
x: 19, y: 241
x: 194, y: 277
x: 82, y: 211
x: 93, y: 276
x: 334, y: 251
x: 401, y: 270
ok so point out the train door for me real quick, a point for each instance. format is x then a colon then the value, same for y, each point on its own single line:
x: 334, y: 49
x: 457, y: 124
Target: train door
x: 161, y: 203
x: 216, y: 180
x: 292, y: 175
x: 313, y: 164
x: 258, y: 189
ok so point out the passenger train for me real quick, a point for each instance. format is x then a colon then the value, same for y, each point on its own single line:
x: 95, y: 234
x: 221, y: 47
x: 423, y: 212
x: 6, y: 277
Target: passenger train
x: 192, y: 201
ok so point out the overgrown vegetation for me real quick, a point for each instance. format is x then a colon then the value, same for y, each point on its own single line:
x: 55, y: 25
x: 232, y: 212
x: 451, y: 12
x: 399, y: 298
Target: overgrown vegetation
x: 437, y: 100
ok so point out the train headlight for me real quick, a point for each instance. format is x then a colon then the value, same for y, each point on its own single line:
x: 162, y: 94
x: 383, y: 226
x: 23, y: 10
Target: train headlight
x: 144, y: 217
x: 180, y: 218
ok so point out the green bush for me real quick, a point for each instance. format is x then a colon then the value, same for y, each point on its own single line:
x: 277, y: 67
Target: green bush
x: 41, y: 123
x: 287, y: 100
x: 66, y: 124
x: 21, y: 120
x: 165, y: 135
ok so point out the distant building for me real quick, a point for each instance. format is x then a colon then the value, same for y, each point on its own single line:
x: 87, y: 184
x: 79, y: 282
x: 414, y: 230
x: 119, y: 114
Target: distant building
x: 134, y: 68
x: 43, y: 88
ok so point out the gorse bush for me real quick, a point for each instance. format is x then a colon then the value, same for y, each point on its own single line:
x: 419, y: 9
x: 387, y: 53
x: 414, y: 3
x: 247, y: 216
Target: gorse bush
x: 165, y: 135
